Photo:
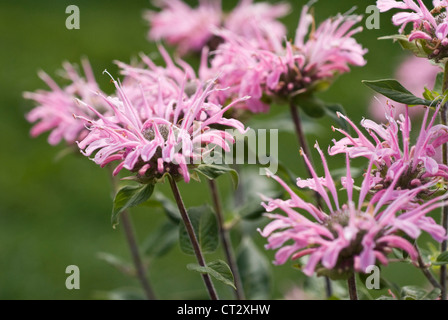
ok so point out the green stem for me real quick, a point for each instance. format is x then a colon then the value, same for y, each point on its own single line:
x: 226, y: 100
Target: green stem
x: 304, y: 145
x: 131, y: 240
x: 138, y: 263
x: 225, y: 239
x: 444, y: 222
x: 425, y: 270
x: 351, y: 282
x: 193, y: 239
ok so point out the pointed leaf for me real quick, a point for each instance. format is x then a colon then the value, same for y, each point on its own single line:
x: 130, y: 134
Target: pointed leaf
x: 159, y: 242
x: 312, y: 106
x: 393, y: 90
x: 254, y: 270
x: 117, y: 263
x: 205, y: 227
x: 432, y: 295
x: 168, y: 206
x: 130, y: 196
x: 441, y: 259
x: 332, y: 111
x: 213, y: 171
x: 438, y: 85
x: 217, y: 269
x: 416, y: 46
x: 418, y: 293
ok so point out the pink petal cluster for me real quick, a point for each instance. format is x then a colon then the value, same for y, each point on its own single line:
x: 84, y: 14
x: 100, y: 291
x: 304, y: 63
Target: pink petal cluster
x: 276, y: 71
x: 346, y: 237
x: 174, y: 134
x: 55, y: 108
x: 391, y: 154
x: 414, y: 74
x: 429, y: 26
x: 148, y: 84
x: 191, y: 29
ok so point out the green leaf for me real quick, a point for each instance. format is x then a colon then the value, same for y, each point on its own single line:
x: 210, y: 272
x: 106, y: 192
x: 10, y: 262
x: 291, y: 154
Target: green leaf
x: 254, y: 270
x: 117, y: 263
x: 253, y: 209
x: 284, y: 172
x: 282, y: 122
x: 385, y: 298
x: 213, y: 171
x: 217, y: 269
x: 168, y: 206
x: 130, y: 196
x: 442, y: 259
x: 312, y: 106
x: 332, y: 111
x: 429, y: 95
x: 416, y: 47
x: 161, y: 240
x: 438, y: 85
x: 205, y: 227
x: 392, y: 89
x: 418, y: 293
x: 432, y: 295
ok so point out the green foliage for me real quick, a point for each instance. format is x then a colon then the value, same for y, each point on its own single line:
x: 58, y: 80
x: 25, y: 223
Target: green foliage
x: 442, y: 259
x: 413, y: 293
x: 128, y: 197
x: 417, y: 47
x: 393, y: 90
x: 310, y: 104
x: 161, y: 240
x: 217, y: 269
x: 205, y: 227
x: 213, y: 171
x: 332, y: 111
x: 254, y: 270
x: 117, y: 263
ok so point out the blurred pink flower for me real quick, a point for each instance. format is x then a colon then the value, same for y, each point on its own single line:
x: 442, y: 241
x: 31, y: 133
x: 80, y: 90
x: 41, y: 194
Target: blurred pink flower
x: 56, y: 107
x: 414, y: 74
x: 191, y: 29
x: 419, y: 163
x: 274, y: 71
x: 169, y: 140
x: 349, y: 237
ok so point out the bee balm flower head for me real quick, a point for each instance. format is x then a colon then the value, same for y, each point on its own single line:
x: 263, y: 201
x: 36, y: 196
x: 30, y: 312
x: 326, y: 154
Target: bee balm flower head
x: 429, y: 28
x: 175, y: 136
x: 191, y: 29
x: 345, y: 237
x: 391, y: 153
x: 276, y: 71
x: 56, y: 107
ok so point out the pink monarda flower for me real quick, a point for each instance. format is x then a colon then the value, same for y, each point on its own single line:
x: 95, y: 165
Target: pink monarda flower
x: 191, y: 29
x: 56, y: 107
x: 391, y: 154
x: 406, y: 75
x: 170, y: 140
x: 346, y: 238
x: 278, y: 72
x: 429, y: 27
x: 147, y: 84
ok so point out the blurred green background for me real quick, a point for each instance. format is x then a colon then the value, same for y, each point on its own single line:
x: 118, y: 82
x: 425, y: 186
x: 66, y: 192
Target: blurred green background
x: 56, y: 212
